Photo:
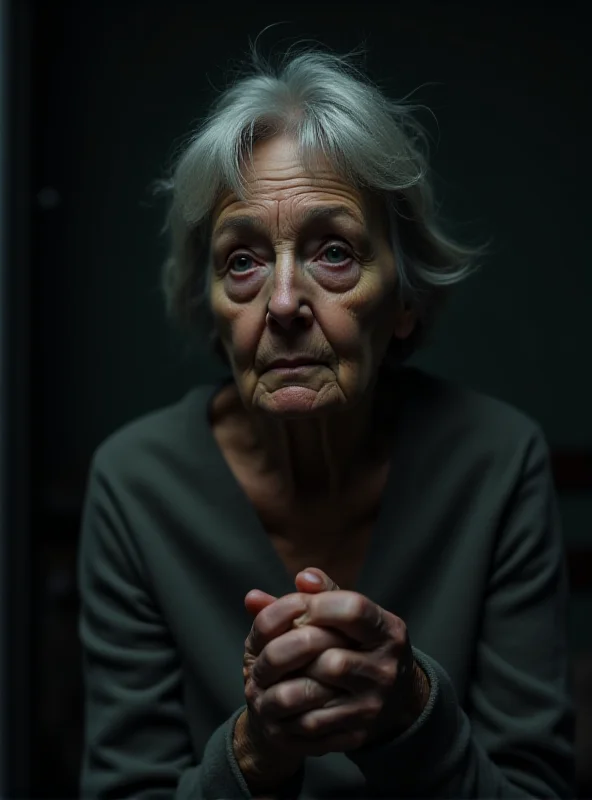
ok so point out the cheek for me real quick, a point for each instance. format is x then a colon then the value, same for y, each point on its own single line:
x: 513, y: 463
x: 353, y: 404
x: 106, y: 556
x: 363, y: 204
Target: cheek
x: 341, y: 328
x: 358, y: 323
x: 239, y: 324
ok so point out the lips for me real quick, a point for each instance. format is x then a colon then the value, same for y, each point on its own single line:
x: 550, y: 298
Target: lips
x: 292, y: 363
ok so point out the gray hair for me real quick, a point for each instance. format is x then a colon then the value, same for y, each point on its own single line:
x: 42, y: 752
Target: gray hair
x: 372, y: 142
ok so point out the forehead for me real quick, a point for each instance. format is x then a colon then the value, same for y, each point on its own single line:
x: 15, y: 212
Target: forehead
x: 279, y: 187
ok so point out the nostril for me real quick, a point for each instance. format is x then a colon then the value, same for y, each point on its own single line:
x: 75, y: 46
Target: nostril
x: 299, y: 318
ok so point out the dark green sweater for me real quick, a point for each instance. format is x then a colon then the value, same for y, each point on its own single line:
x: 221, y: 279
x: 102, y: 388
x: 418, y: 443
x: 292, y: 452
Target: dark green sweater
x: 467, y: 551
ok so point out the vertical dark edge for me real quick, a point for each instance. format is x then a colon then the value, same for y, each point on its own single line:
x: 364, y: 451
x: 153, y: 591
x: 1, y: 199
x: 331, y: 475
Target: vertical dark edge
x: 4, y: 643
x: 15, y: 441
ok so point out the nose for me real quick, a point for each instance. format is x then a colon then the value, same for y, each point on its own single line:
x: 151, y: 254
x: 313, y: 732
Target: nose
x: 288, y: 305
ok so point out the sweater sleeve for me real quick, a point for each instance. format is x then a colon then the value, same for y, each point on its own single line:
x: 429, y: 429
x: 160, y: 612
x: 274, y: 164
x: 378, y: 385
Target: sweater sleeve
x: 514, y: 735
x: 137, y: 742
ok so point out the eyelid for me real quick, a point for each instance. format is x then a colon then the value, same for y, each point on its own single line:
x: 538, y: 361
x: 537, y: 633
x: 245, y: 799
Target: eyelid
x: 342, y: 243
x: 329, y: 243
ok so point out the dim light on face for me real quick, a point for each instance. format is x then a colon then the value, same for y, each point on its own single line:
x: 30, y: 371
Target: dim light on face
x: 303, y: 286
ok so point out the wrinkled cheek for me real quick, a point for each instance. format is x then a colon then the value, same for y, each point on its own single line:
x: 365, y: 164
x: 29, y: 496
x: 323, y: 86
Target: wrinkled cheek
x: 357, y: 328
x: 222, y: 322
x: 378, y: 320
x: 245, y: 335
x: 224, y: 317
x: 375, y: 324
x: 347, y: 331
x: 239, y: 330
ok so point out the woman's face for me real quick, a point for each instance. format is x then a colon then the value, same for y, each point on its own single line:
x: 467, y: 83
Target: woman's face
x: 303, y: 286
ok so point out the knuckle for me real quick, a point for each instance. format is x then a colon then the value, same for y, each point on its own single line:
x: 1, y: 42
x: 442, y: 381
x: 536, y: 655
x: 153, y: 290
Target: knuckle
x: 270, y: 731
x: 272, y: 654
x: 354, y: 606
x: 337, y: 663
x: 315, y: 692
x: 379, y: 621
x: 251, y: 692
x: 387, y: 673
x: 263, y: 624
x: 310, y: 724
x: 282, y: 697
x: 308, y: 635
x: 400, y: 633
x: 268, y: 619
x: 309, y: 690
x: 372, y: 706
x: 317, y: 640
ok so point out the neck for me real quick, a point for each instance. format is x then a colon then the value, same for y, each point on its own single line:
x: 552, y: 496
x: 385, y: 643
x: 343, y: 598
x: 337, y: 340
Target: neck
x: 316, y: 456
x: 306, y: 457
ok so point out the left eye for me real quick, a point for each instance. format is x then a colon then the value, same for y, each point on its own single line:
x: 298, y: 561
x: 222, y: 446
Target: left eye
x: 236, y: 266
x: 337, y: 247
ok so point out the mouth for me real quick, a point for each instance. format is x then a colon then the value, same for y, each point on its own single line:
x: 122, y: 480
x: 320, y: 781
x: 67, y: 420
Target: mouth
x: 294, y: 363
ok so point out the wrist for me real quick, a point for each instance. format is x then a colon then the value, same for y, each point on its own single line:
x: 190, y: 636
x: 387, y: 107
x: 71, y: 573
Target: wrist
x: 422, y: 688
x: 417, y: 699
x: 263, y: 768
x: 410, y: 711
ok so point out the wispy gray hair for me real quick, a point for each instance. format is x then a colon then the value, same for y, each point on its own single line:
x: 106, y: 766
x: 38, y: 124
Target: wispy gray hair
x: 331, y: 108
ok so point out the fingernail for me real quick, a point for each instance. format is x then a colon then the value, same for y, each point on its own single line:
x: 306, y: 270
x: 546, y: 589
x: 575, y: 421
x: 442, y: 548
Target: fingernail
x: 313, y: 578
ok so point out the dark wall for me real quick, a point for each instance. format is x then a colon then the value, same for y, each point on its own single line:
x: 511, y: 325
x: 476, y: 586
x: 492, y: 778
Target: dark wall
x: 117, y: 84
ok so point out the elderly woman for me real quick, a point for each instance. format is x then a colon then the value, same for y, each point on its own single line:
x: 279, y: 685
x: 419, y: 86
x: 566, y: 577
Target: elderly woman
x: 332, y: 575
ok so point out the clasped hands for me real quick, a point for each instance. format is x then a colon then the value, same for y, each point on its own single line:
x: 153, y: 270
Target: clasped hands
x: 326, y: 670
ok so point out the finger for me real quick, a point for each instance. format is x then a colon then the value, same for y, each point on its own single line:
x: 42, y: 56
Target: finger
x: 273, y: 620
x: 291, y: 651
x: 256, y: 601
x: 295, y: 696
x: 314, y: 580
x: 354, y: 615
x: 353, y: 672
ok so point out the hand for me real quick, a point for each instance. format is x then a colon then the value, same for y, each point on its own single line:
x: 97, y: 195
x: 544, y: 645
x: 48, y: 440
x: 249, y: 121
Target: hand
x: 265, y: 751
x: 256, y: 600
x: 385, y: 690
x: 382, y: 690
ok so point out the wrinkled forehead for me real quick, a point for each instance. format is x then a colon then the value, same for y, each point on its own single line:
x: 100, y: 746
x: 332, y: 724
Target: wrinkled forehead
x: 283, y: 184
x: 299, y: 207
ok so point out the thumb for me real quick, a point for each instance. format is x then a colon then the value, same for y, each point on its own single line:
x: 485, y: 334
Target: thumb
x: 256, y: 601
x: 313, y: 580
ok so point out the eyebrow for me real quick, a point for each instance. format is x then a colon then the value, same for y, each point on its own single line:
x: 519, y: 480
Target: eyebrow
x: 312, y: 215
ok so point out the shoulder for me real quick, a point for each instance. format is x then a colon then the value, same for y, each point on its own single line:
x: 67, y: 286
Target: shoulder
x: 166, y: 436
x: 447, y: 416
x: 459, y: 402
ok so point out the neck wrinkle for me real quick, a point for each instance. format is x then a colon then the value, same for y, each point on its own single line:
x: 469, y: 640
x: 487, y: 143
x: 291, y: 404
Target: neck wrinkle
x: 314, y: 457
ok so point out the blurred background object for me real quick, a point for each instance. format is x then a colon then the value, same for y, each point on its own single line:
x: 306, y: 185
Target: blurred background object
x: 100, y: 93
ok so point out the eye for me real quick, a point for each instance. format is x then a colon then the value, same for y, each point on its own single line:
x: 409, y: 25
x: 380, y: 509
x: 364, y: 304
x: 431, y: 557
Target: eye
x: 237, y: 263
x: 333, y: 251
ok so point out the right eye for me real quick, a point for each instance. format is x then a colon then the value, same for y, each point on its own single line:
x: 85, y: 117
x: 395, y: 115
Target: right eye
x: 236, y: 263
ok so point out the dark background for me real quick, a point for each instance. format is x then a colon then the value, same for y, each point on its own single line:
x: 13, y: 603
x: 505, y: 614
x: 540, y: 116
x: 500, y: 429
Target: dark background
x: 102, y: 91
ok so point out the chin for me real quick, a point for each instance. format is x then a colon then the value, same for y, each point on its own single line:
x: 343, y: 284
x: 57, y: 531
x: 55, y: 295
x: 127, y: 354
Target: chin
x: 298, y: 402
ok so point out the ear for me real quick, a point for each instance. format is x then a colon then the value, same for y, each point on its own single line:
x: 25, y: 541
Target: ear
x: 405, y: 324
